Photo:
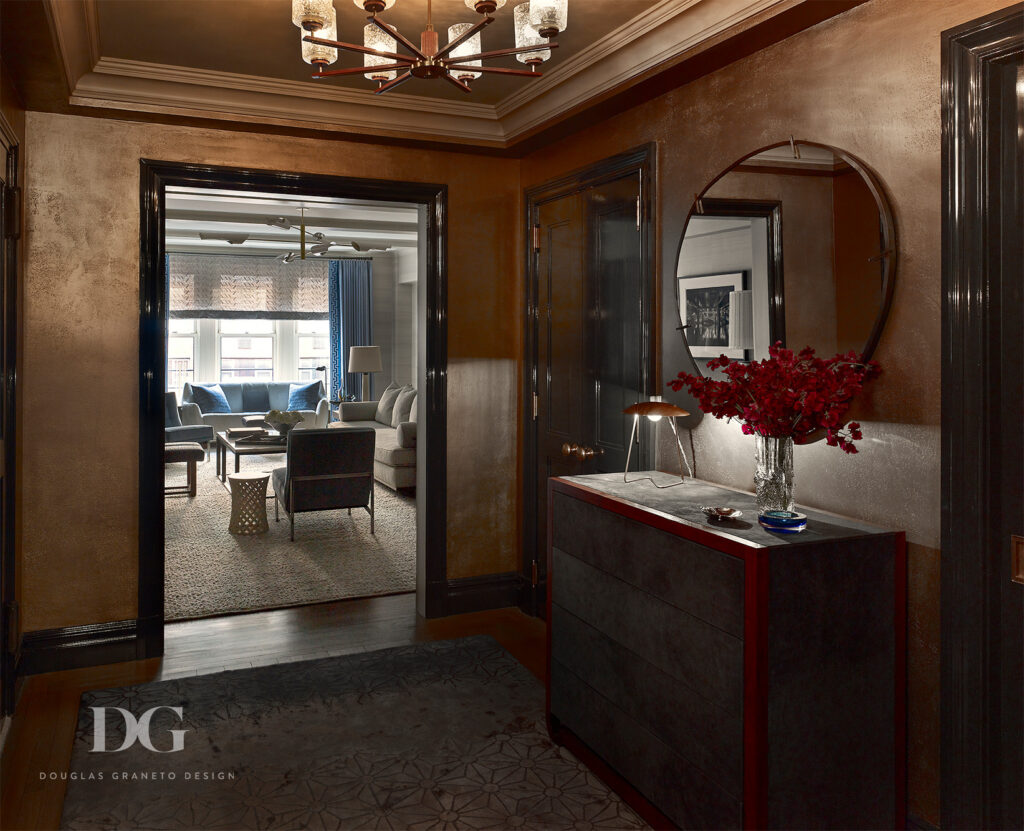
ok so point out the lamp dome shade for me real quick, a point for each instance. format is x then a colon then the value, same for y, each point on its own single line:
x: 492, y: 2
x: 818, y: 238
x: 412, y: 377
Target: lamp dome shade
x: 655, y: 408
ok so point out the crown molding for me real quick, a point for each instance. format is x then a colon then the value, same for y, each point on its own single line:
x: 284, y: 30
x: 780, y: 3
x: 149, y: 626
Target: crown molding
x: 659, y: 15
x: 75, y: 29
x: 664, y: 34
x: 681, y: 29
x: 158, y: 88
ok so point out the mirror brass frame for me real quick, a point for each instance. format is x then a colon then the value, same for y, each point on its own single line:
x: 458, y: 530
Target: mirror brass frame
x: 888, y: 253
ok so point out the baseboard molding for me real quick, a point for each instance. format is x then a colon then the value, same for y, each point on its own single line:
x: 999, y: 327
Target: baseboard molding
x: 915, y: 823
x: 73, y: 647
x: 477, y: 594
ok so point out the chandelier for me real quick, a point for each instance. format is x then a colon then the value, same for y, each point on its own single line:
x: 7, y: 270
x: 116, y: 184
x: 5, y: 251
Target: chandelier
x: 459, y: 62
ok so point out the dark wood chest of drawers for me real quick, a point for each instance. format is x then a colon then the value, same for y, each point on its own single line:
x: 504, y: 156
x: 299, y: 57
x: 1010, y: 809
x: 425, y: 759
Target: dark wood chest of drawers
x: 724, y: 676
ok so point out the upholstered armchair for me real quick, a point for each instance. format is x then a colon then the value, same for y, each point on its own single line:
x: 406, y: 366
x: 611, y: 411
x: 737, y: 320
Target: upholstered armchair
x: 326, y: 470
x: 175, y: 431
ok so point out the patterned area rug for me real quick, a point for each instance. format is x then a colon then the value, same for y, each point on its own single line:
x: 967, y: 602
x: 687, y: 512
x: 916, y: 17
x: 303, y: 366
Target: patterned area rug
x: 444, y: 735
x: 210, y: 571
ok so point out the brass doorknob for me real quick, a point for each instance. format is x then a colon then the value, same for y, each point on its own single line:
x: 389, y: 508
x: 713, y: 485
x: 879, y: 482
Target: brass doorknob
x: 570, y: 449
x: 583, y: 453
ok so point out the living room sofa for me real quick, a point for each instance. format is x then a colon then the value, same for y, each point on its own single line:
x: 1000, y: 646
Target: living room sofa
x: 273, y: 395
x: 394, y: 454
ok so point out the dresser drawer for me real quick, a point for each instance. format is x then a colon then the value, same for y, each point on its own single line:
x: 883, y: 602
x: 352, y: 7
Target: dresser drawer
x: 698, y: 729
x: 701, y: 581
x: 682, y: 792
x: 688, y: 649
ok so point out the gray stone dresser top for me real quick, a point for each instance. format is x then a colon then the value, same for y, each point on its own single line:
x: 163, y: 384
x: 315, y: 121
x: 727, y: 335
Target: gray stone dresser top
x: 683, y: 504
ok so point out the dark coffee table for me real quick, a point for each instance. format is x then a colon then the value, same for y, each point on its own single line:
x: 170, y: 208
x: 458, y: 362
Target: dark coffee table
x: 240, y: 448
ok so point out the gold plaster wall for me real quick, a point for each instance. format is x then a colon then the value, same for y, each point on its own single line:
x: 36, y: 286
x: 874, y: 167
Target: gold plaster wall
x: 867, y: 82
x: 78, y: 395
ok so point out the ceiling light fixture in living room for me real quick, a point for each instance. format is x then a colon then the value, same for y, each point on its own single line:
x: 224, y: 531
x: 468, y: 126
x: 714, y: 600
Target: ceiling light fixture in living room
x: 459, y: 62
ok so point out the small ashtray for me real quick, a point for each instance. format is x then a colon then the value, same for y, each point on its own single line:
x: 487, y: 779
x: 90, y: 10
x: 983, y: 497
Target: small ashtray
x: 783, y: 522
x: 721, y: 513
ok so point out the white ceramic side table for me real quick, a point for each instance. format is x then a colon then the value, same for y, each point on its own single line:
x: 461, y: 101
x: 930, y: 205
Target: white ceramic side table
x: 248, y: 503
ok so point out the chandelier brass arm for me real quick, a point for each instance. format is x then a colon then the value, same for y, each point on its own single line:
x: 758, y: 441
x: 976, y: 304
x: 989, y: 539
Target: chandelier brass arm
x: 460, y: 84
x: 497, y: 70
x: 401, y: 79
x: 402, y: 39
x: 360, y: 70
x: 487, y: 21
x: 500, y: 53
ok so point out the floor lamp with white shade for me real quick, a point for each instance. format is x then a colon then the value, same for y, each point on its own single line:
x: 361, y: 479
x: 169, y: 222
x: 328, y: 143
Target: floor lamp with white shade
x: 365, y: 359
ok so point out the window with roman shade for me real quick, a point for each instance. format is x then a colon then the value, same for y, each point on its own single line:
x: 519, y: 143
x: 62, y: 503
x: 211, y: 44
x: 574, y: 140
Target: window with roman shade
x: 225, y: 287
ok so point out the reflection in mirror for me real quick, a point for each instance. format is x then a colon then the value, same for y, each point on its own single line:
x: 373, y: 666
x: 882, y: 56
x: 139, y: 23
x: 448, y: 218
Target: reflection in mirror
x: 793, y: 244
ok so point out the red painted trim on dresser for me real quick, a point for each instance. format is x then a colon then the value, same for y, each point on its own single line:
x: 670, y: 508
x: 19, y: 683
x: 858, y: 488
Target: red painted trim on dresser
x: 547, y: 673
x: 900, y: 710
x: 755, y: 691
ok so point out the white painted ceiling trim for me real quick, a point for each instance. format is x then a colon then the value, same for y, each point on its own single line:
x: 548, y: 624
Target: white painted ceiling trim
x: 668, y: 30
x: 601, y: 69
x: 157, y: 88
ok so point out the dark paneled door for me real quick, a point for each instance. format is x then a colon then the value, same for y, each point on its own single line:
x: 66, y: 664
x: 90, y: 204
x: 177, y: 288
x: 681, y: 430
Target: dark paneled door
x: 591, y: 333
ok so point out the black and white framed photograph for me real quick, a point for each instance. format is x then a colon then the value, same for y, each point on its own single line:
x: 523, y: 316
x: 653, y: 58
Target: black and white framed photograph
x: 704, y: 306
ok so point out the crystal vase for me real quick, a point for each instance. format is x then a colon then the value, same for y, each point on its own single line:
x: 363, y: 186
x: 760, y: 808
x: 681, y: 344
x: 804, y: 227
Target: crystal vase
x: 773, y: 479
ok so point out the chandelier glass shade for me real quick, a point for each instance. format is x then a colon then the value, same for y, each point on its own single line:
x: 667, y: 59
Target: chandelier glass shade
x: 312, y: 15
x: 527, y: 35
x: 470, y: 46
x: 549, y: 17
x: 376, y: 38
x: 317, y: 53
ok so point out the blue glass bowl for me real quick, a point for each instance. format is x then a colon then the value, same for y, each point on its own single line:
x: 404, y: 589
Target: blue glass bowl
x: 783, y: 522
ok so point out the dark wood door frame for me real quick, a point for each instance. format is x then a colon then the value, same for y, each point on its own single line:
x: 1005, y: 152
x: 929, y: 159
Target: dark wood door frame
x: 981, y: 735
x: 10, y: 230
x: 640, y: 162
x: 155, y: 177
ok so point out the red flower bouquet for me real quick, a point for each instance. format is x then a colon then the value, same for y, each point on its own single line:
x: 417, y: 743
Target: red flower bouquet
x: 786, y: 395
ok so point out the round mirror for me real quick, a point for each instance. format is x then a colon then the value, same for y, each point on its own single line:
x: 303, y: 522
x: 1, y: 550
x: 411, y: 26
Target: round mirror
x: 794, y: 243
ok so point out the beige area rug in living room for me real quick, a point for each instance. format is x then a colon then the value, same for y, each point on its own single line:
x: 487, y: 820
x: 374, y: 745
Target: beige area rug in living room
x: 210, y: 571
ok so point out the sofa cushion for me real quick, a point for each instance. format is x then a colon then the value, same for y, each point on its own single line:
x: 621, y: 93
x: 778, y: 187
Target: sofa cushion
x: 210, y: 399
x: 304, y: 396
x: 386, y: 405
x: 406, y: 434
x: 387, y: 450
x: 415, y: 407
x: 403, y: 405
x: 255, y: 398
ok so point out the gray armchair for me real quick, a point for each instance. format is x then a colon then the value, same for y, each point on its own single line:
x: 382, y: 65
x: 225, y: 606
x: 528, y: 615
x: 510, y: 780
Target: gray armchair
x: 175, y: 431
x: 326, y: 470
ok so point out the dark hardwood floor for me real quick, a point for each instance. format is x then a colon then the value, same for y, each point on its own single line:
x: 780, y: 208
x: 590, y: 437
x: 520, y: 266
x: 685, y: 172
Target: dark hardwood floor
x: 44, y: 723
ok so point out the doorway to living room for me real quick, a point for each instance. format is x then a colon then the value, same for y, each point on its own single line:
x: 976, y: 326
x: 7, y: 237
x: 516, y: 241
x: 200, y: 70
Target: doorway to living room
x: 282, y: 350
x: 273, y: 302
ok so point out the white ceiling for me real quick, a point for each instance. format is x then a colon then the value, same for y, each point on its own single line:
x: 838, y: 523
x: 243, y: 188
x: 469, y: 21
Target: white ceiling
x: 191, y: 212
x: 238, y: 60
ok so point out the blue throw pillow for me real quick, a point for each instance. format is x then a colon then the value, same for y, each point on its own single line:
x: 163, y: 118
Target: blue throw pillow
x: 303, y: 396
x: 210, y: 399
